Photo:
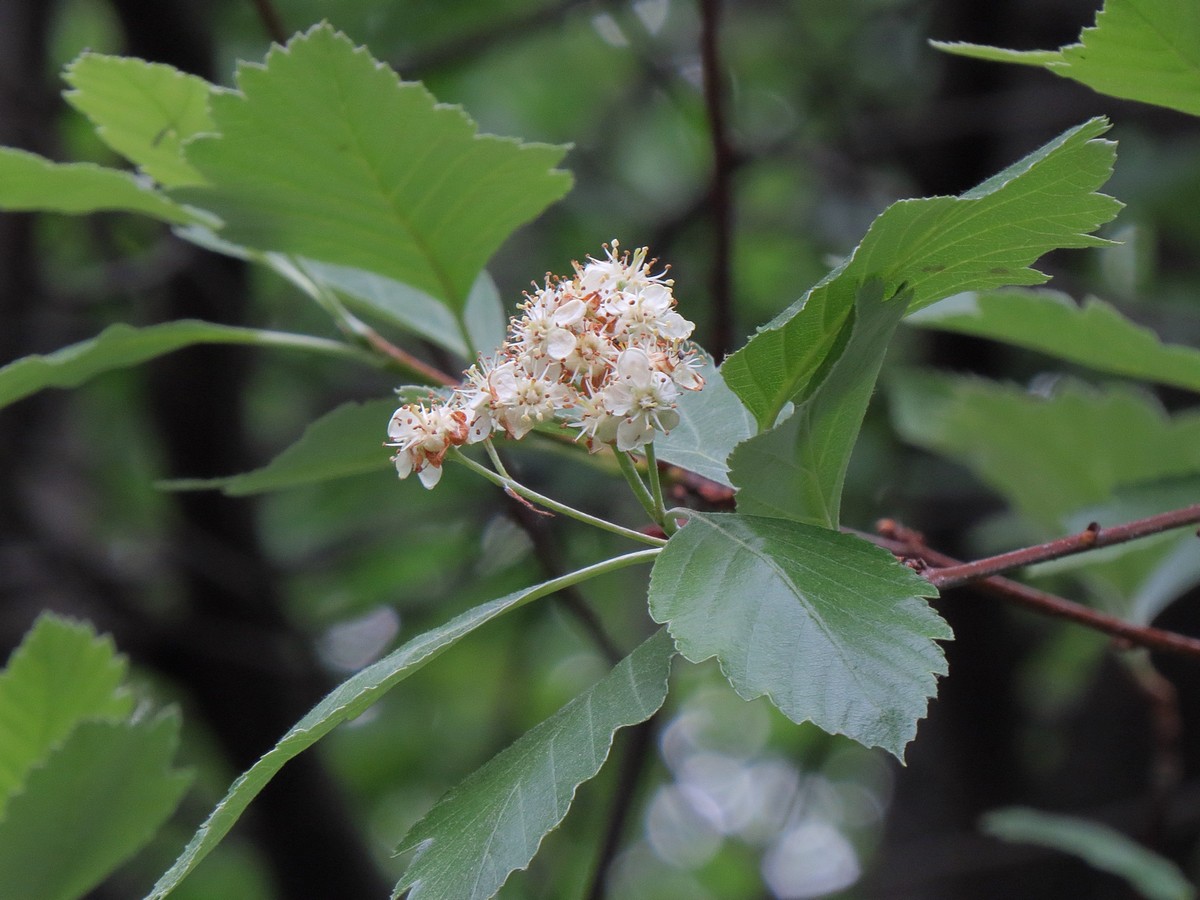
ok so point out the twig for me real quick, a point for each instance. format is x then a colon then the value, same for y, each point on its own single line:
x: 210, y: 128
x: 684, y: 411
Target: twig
x: 1091, y: 538
x: 721, y: 333
x: 638, y: 753
x: 906, y: 543
x: 271, y: 20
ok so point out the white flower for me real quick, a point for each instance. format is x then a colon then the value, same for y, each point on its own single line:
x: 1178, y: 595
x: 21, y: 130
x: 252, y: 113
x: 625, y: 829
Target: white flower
x: 422, y: 436
x: 527, y: 396
x: 603, y: 351
x: 643, y: 396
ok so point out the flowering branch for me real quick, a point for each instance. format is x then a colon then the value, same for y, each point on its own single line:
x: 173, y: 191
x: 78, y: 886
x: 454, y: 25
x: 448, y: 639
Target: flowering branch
x: 910, y: 544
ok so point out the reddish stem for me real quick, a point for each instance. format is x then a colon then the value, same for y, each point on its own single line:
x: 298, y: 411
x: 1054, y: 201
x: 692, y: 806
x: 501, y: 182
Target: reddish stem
x: 1091, y: 538
x: 906, y: 543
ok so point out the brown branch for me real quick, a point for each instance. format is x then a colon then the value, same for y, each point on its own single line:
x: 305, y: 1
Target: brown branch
x: 909, y: 544
x: 272, y: 22
x: 380, y: 344
x: 1091, y: 538
x: 721, y: 333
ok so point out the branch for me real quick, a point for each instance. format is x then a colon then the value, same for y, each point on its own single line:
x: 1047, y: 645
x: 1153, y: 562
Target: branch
x: 719, y: 189
x: 907, y: 543
x: 1091, y: 538
x: 271, y: 21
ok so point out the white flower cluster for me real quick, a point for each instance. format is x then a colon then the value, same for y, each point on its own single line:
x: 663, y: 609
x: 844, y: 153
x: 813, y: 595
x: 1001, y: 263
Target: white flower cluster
x: 603, y: 352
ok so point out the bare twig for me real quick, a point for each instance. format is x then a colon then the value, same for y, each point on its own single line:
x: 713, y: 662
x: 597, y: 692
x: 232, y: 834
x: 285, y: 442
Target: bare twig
x: 639, y: 751
x: 910, y: 545
x: 721, y: 332
x: 1091, y: 538
x: 271, y: 21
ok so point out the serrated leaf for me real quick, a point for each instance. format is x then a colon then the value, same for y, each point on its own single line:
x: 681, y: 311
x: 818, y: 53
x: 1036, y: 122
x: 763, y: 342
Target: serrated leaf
x: 1098, y: 845
x: 1141, y: 50
x: 61, y: 675
x: 29, y: 182
x: 797, y: 469
x: 997, y: 54
x: 935, y: 247
x: 349, y: 700
x: 346, y: 441
x: 712, y: 421
x: 492, y: 823
x: 325, y: 153
x: 121, y: 346
x: 1094, y: 335
x: 99, y: 797
x: 831, y: 628
x: 1049, y: 456
x: 144, y: 111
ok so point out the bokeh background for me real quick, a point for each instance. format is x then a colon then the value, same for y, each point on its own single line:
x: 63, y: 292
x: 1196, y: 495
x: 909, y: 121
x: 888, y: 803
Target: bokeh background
x: 245, y: 611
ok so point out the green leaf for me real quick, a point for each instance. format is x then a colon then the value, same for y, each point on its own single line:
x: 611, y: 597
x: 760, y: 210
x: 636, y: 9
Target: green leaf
x: 1049, y: 456
x: 60, y: 675
x: 325, y: 153
x: 351, y: 699
x: 712, y: 422
x: 29, y: 182
x: 1098, y: 845
x: 483, y: 316
x: 831, y: 628
x: 935, y: 247
x: 1145, y: 50
x: 144, y: 111
x: 418, y: 312
x: 99, y: 797
x: 492, y: 823
x: 797, y: 469
x: 121, y: 346
x: 1094, y: 335
x: 997, y: 54
x: 347, y: 441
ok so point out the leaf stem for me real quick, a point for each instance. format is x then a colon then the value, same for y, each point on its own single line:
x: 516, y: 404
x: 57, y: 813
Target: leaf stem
x: 350, y: 325
x: 516, y: 489
x: 656, y: 492
x: 629, y: 470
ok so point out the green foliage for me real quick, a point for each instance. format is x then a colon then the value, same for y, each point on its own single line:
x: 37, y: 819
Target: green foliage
x: 797, y: 469
x: 351, y: 699
x: 97, y: 797
x: 60, y: 676
x: 1141, y: 50
x: 777, y: 601
x: 144, y: 111
x: 417, y: 312
x: 121, y: 346
x: 935, y: 247
x: 1100, y: 846
x: 492, y: 824
x: 84, y: 780
x: 1049, y: 456
x: 380, y: 178
x: 30, y: 182
x: 711, y: 423
x: 1094, y: 335
x: 342, y: 442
